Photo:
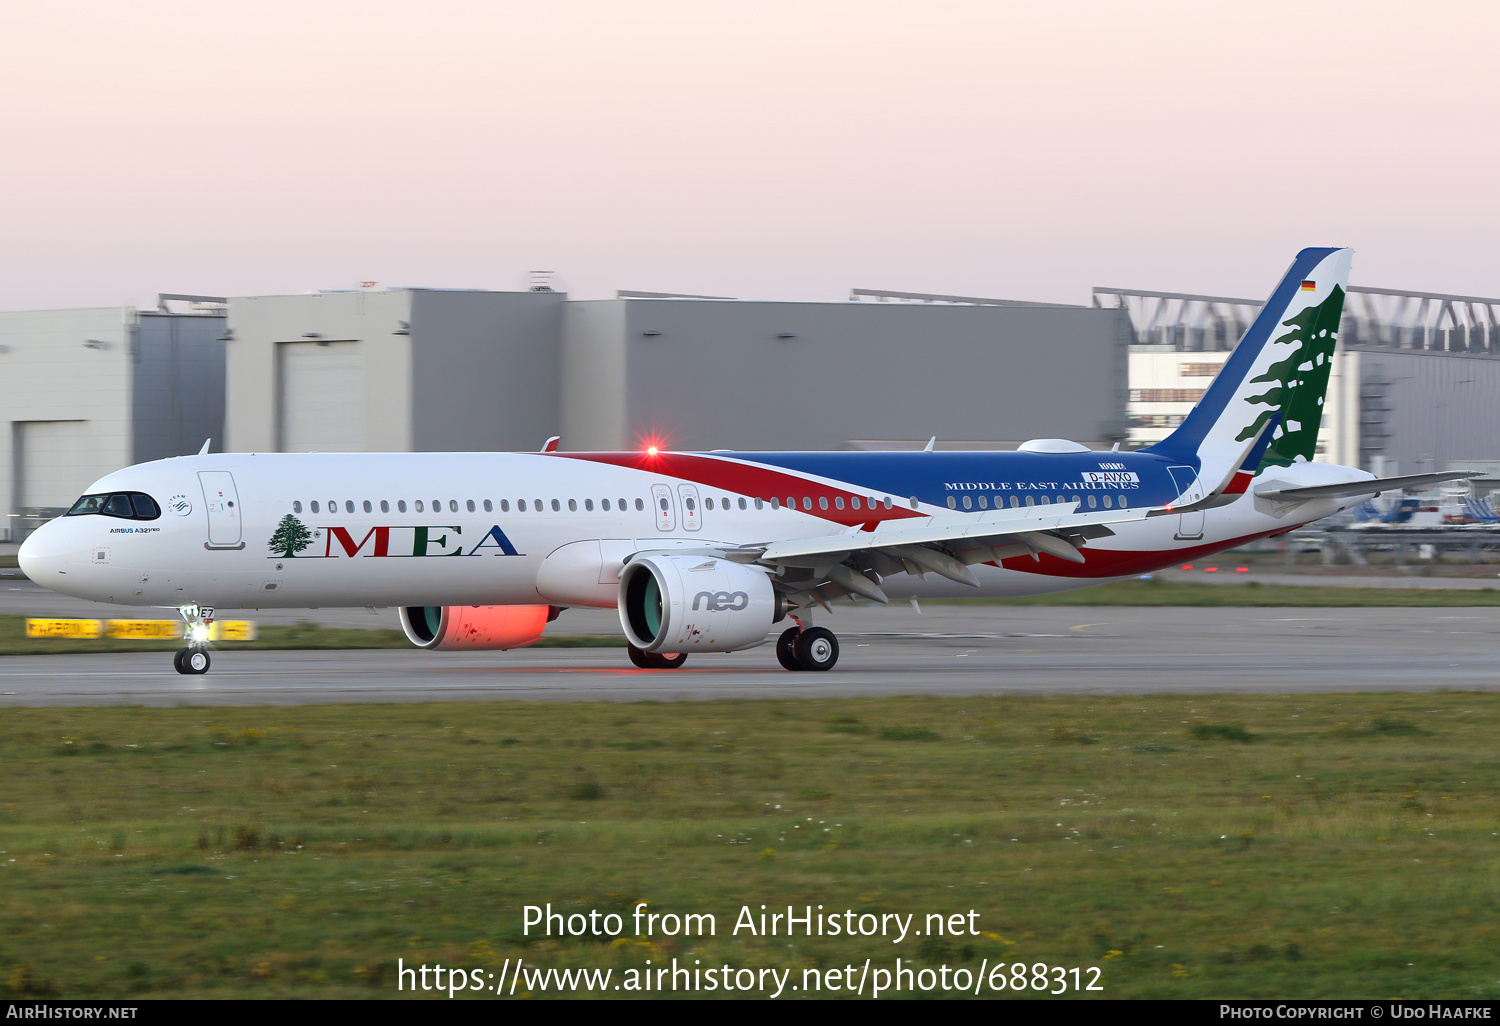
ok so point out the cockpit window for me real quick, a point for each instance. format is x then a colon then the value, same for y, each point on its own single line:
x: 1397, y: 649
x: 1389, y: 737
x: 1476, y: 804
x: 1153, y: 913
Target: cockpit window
x: 125, y: 505
x: 88, y: 504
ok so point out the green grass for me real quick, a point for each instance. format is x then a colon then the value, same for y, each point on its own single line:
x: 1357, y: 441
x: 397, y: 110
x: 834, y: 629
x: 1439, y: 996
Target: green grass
x: 1351, y: 850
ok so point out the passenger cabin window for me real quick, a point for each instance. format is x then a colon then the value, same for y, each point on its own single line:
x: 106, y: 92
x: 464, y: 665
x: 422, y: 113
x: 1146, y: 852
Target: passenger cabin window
x: 604, y: 505
x: 349, y: 505
x: 453, y: 505
x: 314, y: 505
x: 952, y: 502
x: 125, y: 506
x: 368, y: 507
x: 556, y: 506
x: 639, y: 504
x: 588, y: 505
x: 504, y: 505
x: 419, y: 505
x: 401, y: 505
x: 488, y: 506
x: 572, y: 505
x: 521, y: 505
x: 297, y: 506
x: 470, y: 505
x: 385, y: 507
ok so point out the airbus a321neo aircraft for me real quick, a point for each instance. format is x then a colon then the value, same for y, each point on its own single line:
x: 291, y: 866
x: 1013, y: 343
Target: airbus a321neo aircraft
x: 708, y: 552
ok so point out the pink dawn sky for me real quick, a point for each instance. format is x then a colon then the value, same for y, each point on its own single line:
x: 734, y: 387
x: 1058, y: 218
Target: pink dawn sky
x: 760, y: 148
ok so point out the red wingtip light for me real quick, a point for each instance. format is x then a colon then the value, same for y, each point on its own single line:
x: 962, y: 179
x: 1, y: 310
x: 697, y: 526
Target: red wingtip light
x: 1242, y: 569
x: 651, y: 450
x: 1210, y: 569
x: 1187, y: 566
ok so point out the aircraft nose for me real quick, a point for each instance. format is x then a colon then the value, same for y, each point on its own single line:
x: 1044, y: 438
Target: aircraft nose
x: 41, y: 556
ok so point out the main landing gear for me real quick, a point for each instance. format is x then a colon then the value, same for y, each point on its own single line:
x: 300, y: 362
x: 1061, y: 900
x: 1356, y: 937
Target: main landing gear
x: 657, y: 660
x: 811, y: 648
x: 194, y: 658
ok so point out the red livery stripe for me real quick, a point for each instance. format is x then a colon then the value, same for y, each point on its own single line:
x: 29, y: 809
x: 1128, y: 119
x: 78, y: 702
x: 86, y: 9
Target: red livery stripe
x: 757, y: 481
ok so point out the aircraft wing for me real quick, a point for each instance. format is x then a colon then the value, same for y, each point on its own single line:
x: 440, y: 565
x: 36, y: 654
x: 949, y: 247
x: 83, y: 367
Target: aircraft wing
x: 1373, y: 486
x: 947, y: 545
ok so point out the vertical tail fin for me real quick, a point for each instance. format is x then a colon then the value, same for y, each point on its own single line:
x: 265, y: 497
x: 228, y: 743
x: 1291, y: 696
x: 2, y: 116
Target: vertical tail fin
x: 1270, y: 391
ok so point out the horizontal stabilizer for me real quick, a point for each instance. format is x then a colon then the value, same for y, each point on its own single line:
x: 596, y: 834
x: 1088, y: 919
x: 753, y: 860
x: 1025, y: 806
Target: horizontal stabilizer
x: 1373, y: 486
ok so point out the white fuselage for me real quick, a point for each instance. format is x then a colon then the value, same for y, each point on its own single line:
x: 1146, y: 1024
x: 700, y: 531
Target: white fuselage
x: 383, y: 529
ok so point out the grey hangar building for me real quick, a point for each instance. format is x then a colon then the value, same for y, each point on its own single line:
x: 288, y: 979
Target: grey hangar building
x: 85, y: 392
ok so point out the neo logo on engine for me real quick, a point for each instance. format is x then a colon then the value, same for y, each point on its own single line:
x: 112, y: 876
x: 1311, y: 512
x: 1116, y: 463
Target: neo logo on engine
x: 714, y: 603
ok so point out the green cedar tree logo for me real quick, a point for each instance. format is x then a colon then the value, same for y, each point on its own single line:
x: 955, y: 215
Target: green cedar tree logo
x: 291, y: 537
x: 1298, y: 384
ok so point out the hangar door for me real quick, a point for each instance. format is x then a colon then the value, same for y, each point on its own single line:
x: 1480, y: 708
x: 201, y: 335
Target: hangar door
x: 53, y: 463
x: 322, y: 397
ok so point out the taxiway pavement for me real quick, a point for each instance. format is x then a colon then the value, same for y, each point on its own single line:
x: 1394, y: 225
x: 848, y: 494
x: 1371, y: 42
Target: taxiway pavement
x: 944, y: 650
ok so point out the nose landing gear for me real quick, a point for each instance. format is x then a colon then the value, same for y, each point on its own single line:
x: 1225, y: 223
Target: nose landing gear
x: 194, y: 659
x: 191, y: 660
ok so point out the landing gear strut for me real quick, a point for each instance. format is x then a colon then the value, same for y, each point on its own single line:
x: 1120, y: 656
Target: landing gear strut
x: 194, y: 659
x: 656, y: 660
x: 813, y: 648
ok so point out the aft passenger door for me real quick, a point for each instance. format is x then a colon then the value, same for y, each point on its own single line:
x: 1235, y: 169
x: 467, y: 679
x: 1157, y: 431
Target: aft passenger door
x: 1189, y: 525
x: 222, y: 502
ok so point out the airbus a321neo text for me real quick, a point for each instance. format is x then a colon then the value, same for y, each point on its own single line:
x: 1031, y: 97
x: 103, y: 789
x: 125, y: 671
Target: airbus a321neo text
x: 714, y: 552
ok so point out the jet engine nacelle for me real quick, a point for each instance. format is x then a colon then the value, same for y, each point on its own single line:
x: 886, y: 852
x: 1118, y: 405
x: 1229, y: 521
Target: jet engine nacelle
x: 696, y: 604
x: 485, y: 627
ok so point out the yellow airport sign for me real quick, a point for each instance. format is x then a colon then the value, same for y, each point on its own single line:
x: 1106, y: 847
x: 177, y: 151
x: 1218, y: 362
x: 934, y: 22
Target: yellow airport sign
x: 135, y: 630
x: 143, y: 630
x: 231, y: 630
x: 43, y: 628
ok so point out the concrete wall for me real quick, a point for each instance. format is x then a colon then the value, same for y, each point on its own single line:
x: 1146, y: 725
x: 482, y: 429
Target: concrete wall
x: 49, y: 378
x: 435, y: 370
x: 747, y: 375
x: 1425, y: 409
x: 261, y: 325
x: 177, y: 388
x: 484, y: 373
x: 592, y: 370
